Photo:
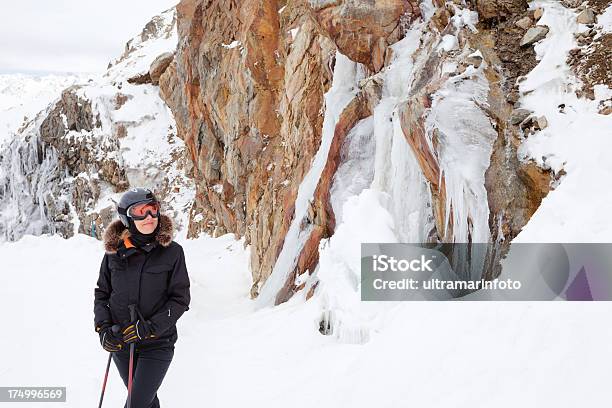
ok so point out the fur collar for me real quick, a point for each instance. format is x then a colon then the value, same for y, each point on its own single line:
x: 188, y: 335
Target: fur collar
x: 116, y: 231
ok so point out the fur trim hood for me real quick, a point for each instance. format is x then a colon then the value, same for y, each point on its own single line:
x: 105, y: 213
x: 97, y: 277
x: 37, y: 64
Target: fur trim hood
x: 116, y: 232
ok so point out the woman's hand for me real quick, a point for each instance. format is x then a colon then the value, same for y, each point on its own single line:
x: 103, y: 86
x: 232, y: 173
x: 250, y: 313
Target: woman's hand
x: 136, y: 331
x: 108, y: 340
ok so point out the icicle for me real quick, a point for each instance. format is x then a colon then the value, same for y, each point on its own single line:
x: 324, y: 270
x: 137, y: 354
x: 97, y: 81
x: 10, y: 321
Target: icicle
x: 344, y: 87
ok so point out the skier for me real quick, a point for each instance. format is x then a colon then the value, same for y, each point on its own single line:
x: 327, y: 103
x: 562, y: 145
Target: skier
x: 142, y: 266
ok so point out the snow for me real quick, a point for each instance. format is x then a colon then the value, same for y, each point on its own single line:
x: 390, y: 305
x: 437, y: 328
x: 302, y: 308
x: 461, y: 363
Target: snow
x: 576, y: 140
x: 403, y: 189
x: 427, y: 9
x: 137, y: 60
x: 218, y: 188
x: 147, y: 120
x: 605, y: 20
x: 357, y: 169
x: 501, y: 354
x: 344, y: 87
x: 321, y: 3
x: 294, y: 32
x: 25, y: 184
x: 476, y: 53
x: 388, y: 199
x: 449, y: 42
x: 466, y: 139
x: 351, y: 320
x: 231, y: 45
x: 464, y: 17
x: 24, y: 95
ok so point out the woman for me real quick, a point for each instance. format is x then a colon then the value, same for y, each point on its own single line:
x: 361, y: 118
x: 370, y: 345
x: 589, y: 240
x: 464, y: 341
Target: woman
x: 144, y: 267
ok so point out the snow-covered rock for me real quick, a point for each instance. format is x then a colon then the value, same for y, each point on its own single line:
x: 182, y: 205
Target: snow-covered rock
x: 587, y: 16
x: 159, y: 65
x: 61, y: 172
x: 157, y: 37
x: 576, y: 140
x: 524, y: 22
x: 22, y: 96
x: 534, y: 34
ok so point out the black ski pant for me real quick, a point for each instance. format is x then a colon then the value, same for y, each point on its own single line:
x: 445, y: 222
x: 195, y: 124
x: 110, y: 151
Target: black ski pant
x: 149, y: 369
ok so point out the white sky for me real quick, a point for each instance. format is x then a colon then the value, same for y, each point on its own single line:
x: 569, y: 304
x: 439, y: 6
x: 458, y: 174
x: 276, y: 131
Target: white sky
x: 40, y: 36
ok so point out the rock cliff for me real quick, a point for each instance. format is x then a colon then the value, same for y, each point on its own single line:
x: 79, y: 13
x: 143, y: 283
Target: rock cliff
x: 248, y: 91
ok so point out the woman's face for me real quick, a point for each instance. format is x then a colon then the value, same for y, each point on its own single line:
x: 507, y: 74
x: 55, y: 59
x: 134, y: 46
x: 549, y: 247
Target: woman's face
x: 147, y: 225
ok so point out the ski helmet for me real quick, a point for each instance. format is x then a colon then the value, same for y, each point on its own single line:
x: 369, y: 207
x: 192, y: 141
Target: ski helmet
x: 133, y: 196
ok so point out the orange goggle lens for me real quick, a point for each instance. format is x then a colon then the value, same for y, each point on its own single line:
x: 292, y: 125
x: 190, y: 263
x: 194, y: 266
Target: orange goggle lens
x: 139, y: 211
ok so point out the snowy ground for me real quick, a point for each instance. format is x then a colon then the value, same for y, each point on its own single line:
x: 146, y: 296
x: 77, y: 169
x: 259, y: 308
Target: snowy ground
x: 577, y: 139
x: 426, y: 354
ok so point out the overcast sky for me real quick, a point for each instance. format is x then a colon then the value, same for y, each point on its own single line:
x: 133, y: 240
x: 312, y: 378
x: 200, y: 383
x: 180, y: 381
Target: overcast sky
x: 40, y: 36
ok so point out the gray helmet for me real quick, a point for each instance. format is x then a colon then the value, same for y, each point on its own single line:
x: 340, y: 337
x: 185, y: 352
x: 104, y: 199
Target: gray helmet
x: 133, y: 196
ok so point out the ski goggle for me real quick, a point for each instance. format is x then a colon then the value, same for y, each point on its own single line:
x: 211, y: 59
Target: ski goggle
x: 140, y: 211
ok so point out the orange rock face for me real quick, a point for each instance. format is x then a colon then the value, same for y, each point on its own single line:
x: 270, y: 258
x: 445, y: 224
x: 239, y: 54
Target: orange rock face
x: 322, y: 214
x: 247, y: 96
x: 247, y: 86
x: 362, y: 30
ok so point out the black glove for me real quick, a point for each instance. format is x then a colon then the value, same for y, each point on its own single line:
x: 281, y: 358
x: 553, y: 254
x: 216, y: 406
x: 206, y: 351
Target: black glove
x: 108, y: 340
x: 136, y: 331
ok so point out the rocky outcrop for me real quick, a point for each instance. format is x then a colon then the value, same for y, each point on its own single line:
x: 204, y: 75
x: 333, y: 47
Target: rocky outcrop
x: 246, y: 88
x: 159, y: 66
x: 70, y: 113
x: 321, y: 215
x: 252, y: 127
x: 160, y: 27
x: 363, y: 30
x: 140, y: 79
x: 158, y: 37
x: 586, y: 16
x: 591, y: 61
x: 493, y: 11
x: 533, y: 35
x: 249, y: 158
x: 514, y: 189
x: 68, y: 129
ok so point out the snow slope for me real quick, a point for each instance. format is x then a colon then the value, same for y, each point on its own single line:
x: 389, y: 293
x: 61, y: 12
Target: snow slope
x: 24, y: 95
x: 578, y: 139
x: 424, y: 354
x: 157, y: 37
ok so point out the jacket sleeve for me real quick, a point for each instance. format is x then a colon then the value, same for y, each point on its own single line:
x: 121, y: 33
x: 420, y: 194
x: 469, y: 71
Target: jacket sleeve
x: 101, y: 296
x: 178, y: 298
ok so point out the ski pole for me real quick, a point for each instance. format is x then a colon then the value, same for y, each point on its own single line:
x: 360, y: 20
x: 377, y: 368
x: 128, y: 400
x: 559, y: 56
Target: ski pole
x: 130, y: 371
x: 115, y: 329
x: 105, y: 378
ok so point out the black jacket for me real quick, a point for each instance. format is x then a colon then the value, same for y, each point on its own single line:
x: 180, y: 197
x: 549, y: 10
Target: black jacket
x: 154, y: 278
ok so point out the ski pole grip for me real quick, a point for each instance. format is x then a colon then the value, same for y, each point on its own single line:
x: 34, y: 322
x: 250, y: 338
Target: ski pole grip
x: 116, y: 328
